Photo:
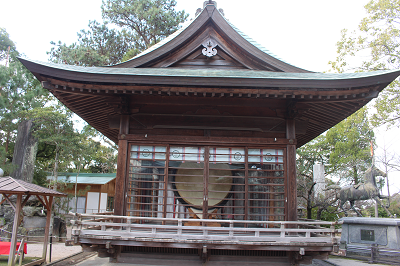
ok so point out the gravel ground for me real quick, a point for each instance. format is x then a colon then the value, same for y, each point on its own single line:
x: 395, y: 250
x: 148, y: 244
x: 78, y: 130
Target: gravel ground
x: 59, y: 250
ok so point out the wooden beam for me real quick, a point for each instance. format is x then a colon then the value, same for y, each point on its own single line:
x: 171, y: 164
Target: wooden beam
x: 9, y: 201
x: 202, y: 140
x: 1, y: 202
x: 26, y: 200
x: 44, y: 204
x: 46, y: 201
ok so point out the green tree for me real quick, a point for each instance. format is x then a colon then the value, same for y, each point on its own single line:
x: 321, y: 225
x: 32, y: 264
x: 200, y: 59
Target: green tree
x: 349, y: 144
x: 54, y: 127
x: 378, y: 40
x: 150, y: 20
x: 7, y: 46
x: 92, y: 156
x: 316, y: 151
x: 97, y: 46
x: 345, y: 152
x: 141, y: 23
x: 19, y: 92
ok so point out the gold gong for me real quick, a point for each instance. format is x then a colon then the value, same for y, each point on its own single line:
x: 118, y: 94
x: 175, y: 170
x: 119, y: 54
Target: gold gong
x: 190, y: 185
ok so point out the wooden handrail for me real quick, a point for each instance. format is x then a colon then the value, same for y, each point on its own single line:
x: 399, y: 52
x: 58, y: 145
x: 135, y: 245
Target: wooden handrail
x: 205, y: 220
x: 176, y: 230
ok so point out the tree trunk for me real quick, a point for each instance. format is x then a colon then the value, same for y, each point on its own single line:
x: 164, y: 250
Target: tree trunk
x: 8, y: 136
x: 309, y: 200
x: 76, y: 185
x: 25, y: 150
x: 55, y: 170
x: 6, y: 145
x: 309, y: 209
x: 319, y: 213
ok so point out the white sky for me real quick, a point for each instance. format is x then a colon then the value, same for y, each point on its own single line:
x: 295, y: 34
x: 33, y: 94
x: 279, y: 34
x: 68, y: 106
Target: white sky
x: 302, y: 33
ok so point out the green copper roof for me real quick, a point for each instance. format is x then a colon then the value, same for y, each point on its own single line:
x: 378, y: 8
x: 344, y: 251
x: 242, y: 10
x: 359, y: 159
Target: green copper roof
x: 85, y: 178
x: 210, y: 73
x: 252, y: 41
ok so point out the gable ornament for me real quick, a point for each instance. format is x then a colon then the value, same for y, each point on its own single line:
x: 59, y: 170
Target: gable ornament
x: 209, y: 48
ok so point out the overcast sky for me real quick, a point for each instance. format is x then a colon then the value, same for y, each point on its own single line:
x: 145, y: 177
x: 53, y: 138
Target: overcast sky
x: 302, y: 33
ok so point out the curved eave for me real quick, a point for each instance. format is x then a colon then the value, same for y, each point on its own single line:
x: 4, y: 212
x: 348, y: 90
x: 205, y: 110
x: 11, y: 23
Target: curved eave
x: 179, y: 38
x: 208, y: 78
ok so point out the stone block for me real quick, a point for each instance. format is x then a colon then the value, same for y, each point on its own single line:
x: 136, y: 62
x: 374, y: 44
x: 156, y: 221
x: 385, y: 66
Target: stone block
x: 34, y: 222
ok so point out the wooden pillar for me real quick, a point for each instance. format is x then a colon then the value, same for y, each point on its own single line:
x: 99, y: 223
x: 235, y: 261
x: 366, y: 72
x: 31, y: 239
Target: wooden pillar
x: 120, y: 183
x: 49, y: 204
x: 291, y: 175
x: 13, y: 245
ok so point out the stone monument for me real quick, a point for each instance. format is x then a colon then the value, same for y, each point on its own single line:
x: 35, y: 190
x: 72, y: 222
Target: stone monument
x: 319, y: 179
x: 359, y: 234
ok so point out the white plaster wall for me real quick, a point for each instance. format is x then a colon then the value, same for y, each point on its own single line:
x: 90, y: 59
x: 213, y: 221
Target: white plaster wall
x: 103, y: 202
x: 92, y: 205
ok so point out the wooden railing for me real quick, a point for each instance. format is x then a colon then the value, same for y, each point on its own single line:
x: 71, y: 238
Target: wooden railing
x: 153, y: 229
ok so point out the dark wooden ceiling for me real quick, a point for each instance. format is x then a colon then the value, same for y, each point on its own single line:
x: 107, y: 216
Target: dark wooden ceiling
x: 192, y: 110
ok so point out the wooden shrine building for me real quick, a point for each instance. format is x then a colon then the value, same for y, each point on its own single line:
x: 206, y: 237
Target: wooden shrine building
x: 207, y: 124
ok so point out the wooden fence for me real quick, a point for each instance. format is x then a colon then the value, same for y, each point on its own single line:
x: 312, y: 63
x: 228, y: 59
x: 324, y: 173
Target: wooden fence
x: 373, y: 253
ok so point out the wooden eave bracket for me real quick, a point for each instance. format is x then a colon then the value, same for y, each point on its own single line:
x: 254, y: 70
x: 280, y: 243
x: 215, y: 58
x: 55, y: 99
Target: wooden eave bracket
x: 304, y: 95
x: 47, y: 85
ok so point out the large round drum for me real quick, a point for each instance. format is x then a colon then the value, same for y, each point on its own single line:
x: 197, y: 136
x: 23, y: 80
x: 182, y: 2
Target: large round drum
x: 189, y: 184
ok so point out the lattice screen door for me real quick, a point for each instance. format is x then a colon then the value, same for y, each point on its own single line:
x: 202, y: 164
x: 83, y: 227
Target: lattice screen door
x: 240, y: 183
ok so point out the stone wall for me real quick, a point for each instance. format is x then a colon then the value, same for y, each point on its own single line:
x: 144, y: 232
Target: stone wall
x: 32, y: 225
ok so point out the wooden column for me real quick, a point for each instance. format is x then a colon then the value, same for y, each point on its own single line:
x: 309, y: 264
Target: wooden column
x: 291, y: 174
x: 13, y: 245
x: 206, y: 171
x: 48, y: 206
x: 121, y: 180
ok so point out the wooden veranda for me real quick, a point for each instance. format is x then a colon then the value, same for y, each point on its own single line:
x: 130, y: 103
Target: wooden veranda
x: 106, y: 233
